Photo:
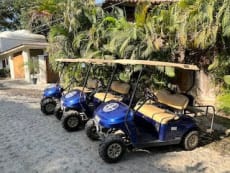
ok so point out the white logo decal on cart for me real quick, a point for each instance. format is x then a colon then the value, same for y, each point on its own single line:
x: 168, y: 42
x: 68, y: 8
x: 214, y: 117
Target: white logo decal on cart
x: 110, y: 107
x: 173, y: 128
x: 70, y: 94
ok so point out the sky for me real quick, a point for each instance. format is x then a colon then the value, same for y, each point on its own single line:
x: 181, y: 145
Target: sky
x: 99, y: 2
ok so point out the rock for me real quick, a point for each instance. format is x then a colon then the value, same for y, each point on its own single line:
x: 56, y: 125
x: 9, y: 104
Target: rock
x: 227, y: 132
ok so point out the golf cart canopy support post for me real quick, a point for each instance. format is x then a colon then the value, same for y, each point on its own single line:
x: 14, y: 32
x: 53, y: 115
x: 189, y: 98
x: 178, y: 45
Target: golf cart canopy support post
x: 110, y: 82
x: 73, y: 79
x: 132, y: 97
x: 87, y: 76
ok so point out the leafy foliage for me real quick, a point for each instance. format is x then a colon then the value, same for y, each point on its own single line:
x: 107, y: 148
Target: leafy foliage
x: 190, y: 31
x: 227, y: 79
x: 10, y: 13
x: 224, y: 102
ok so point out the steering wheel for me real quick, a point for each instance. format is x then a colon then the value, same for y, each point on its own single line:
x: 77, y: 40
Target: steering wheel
x: 150, y: 95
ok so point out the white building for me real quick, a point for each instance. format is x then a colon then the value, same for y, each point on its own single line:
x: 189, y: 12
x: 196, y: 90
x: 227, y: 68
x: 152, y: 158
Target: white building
x: 17, y: 48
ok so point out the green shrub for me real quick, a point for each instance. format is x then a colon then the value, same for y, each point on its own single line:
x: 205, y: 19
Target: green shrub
x: 5, y: 72
x: 224, y: 102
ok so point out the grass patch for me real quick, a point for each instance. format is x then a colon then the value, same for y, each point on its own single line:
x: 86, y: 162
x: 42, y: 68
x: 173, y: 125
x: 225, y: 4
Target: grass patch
x: 224, y: 103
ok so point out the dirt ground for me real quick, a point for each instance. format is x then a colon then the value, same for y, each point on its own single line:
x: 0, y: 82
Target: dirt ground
x: 34, y: 143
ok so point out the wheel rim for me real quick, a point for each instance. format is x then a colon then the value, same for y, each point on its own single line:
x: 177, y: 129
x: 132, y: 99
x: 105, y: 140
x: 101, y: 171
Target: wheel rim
x: 114, y: 150
x: 50, y: 107
x: 93, y: 130
x: 73, y: 121
x: 192, y: 141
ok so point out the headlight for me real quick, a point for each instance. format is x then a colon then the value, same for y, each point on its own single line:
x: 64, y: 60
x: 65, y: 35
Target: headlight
x: 97, y: 119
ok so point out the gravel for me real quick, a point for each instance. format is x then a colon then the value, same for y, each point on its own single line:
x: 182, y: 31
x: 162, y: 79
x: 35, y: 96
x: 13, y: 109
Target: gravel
x: 33, y: 143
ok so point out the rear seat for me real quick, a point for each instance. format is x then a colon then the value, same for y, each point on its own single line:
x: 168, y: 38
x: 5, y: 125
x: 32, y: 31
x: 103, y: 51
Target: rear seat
x: 91, y: 84
x: 176, y: 101
x: 159, y: 115
x: 109, y: 96
x: 119, y: 87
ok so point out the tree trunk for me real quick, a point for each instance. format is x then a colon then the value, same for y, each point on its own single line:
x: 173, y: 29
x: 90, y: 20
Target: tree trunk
x: 181, y: 55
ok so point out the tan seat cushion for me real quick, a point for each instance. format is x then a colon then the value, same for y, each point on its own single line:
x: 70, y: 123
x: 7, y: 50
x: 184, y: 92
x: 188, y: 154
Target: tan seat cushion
x: 164, y: 118
x: 121, y: 88
x: 177, y: 101
x: 91, y: 84
x: 148, y: 109
x: 157, y: 114
x: 109, y: 96
x: 86, y: 90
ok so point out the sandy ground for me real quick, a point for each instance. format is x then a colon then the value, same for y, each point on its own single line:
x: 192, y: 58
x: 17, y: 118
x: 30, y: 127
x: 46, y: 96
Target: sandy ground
x: 33, y: 143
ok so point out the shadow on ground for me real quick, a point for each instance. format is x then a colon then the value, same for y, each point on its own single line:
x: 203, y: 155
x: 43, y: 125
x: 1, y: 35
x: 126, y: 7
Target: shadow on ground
x: 21, y: 92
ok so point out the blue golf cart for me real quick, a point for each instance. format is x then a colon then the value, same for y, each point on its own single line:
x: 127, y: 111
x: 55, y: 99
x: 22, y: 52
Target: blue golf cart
x: 160, y: 118
x: 52, y: 94
x: 75, y: 93
x: 78, y: 107
x: 50, y: 102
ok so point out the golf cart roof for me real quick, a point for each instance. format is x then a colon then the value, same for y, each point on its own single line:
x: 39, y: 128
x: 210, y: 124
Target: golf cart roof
x: 157, y: 63
x: 85, y: 60
x: 130, y: 62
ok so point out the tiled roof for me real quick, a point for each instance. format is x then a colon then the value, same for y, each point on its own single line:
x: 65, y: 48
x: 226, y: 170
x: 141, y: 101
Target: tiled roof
x: 135, y: 1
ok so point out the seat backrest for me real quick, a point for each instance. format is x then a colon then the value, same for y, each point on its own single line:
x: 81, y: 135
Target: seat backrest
x: 120, y: 87
x: 92, y: 83
x: 177, y: 101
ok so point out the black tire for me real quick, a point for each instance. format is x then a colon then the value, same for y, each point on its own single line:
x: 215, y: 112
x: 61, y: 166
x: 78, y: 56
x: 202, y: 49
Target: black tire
x: 72, y: 121
x: 91, y: 130
x: 58, y: 113
x: 112, y: 148
x: 191, y: 140
x: 48, y: 105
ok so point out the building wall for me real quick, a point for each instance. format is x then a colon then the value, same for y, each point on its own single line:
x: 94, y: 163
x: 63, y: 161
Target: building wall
x: 18, y: 64
x: 11, y: 65
x: 42, y: 76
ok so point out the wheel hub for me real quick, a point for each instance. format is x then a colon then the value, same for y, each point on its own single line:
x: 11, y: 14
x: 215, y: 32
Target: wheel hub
x: 192, y: 140
x: 114, y: 150
x: 93, y: 129
x: 50, y: 107
x: 73, y: 121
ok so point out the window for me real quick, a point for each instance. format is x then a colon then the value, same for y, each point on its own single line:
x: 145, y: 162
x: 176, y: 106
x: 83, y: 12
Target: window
x: 3, y: 63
